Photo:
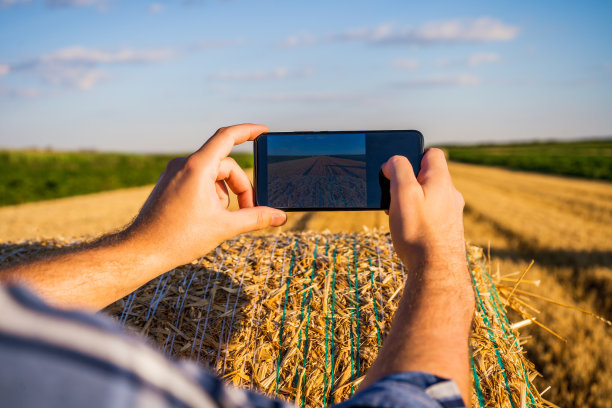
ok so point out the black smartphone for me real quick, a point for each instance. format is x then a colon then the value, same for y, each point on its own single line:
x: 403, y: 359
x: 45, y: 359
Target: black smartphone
x: 310, y: 171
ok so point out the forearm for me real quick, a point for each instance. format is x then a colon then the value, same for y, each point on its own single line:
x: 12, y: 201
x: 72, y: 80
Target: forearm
x: 431, y: 327
x: 184, y: 217
x: 90, y: 276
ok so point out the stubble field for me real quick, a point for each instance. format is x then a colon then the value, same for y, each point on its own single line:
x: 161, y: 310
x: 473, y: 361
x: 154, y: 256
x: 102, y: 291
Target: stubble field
x: 564, y: 224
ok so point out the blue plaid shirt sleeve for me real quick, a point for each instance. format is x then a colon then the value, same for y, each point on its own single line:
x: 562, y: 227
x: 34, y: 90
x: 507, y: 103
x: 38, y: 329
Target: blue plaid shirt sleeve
x: 51, y: 357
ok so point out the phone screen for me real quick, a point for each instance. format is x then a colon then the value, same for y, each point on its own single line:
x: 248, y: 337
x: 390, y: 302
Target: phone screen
x: 329, y: 170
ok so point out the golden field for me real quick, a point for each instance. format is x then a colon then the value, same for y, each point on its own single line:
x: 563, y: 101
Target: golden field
x: 564, y: 224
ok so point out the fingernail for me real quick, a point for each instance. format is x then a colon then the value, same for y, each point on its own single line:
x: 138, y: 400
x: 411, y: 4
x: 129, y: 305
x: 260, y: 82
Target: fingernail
x: 279, y: 218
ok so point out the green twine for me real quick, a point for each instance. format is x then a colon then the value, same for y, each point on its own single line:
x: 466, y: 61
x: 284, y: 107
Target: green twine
x: 357, y: 306
x: 333, y: 327
x: 280, y: 346
x: 497, y: 304
x: 308, y: 324
x: 348, y: 277
x: 486, y: 320
x: 374, y: 302
x: 296, y: 376
x: 477, y: 383
x: 326, y: 334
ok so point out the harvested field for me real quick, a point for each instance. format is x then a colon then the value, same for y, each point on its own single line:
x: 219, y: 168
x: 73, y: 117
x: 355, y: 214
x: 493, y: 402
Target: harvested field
x: 318, y: 181
x: 302, y: 315
x: 70, y: 217
x: 564, y: 224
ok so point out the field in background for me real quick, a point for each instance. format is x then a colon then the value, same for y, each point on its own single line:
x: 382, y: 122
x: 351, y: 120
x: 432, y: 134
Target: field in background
x: 564, y: 224
x: 34, y: 175
x: 588, y: 158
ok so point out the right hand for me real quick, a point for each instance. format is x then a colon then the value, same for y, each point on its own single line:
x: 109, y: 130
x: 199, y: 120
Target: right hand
x: 426, y: 215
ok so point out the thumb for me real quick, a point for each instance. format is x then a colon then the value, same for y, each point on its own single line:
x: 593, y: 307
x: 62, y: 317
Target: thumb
x: 256, y: 218
x: 404, y: 186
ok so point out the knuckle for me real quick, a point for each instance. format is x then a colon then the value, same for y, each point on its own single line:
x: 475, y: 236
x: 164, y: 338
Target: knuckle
x: 397, y: 160
x: 262, y: 220
x: 460, y: 199
x: 191, y: 163
x: 174, y: 163
x: 434, y: 151
x: 230, y: 161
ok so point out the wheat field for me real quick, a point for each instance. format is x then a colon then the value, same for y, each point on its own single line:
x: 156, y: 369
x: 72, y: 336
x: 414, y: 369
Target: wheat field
x: 563, y: 224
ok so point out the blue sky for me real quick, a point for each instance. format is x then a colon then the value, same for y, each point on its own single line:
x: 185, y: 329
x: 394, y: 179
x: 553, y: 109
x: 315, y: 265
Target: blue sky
x: 163, y: 75
x: 304, y: 145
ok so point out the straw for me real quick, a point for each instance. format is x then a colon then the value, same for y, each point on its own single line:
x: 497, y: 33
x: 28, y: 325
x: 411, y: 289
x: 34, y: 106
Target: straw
x: 301, y: 316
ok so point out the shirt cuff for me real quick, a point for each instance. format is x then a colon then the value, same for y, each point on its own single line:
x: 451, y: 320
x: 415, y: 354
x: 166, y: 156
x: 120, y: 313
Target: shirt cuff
x: 408, y: 389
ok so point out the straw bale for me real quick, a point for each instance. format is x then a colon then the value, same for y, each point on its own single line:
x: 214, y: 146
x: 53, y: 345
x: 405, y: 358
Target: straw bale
x: 301, y: 316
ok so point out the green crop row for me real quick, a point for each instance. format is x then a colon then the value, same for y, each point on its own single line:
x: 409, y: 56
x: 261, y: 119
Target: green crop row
x: 587, y: 159
x: 27, y: 176
x: 35, y: 175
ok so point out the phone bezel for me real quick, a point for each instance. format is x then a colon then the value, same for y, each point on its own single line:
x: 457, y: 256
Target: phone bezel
x: 260, y: 169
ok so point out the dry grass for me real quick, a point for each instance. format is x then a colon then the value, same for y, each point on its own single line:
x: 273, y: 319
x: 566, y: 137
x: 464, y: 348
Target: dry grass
x: 303, y: 315
x: 563, y: 224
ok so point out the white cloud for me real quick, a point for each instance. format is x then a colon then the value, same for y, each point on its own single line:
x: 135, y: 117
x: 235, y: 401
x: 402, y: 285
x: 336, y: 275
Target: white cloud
x: 355, y: 34
x: 100, y: 4
x: 456, y: 31
x: 299, y: 40
x: 80, y: 55
x: 19, y: 92
x: 406, y: 63
x: 83, y: 78
x: 462, y: 30
x: 278, y: 73
x: 211, y: 44
x: 156, y: 8
x: 313, y: 97
x: 483, y: 58
x: 447, y: 62
x: 6, y: 3
x: 436, y: 81
x: 24, y: 93
x: 4, y: 69
x: 82, y: 68
x: 473, y: 60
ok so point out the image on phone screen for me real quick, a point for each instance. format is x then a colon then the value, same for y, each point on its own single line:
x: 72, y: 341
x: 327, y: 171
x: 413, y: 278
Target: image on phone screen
x: 317, y: 170
x: 304, y: 171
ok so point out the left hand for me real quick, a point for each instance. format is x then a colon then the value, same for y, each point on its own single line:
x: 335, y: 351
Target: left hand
x: 186, y: 214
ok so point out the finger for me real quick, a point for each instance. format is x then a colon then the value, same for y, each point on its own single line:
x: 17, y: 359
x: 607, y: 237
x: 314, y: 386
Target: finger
x: 396, y: 170
x: 433, y: 167
x: 237, y: 181
x: 404, y: 185
x: 256, y: 218
x: 222, y: 193
x: 221, y: 143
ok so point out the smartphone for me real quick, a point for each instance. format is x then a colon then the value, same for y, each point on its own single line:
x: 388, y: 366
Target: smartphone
x: 326, y: 171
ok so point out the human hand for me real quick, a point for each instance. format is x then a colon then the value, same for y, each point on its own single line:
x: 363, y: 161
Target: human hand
x: 431, y: 325
x: 186, y: 214
x: 426, y: 215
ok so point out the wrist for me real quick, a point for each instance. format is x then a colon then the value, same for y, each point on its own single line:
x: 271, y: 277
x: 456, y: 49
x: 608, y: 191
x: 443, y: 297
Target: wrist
x: 430, y: 260
x: 442, y: 280
x: 160, y: 250
x: 134, y: 248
